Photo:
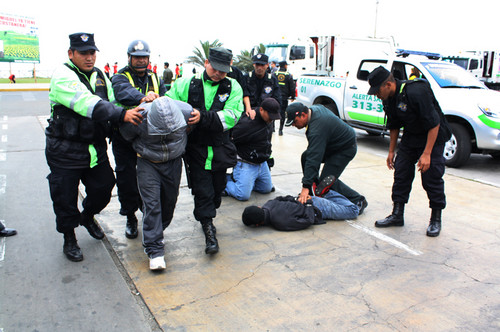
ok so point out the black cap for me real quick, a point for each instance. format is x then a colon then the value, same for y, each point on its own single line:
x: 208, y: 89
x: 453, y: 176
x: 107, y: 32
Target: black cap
x: 82, y: 42
x: 260, y: 59
x: 220, y: 59
x: 272, y: 107
x: 283, y: 63
x: 376, y: 78
x: 292, y: 111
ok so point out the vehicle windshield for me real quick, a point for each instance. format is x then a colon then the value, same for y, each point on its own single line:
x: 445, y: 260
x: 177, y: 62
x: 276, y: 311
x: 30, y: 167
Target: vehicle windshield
x: 461, y: 62
x: 449, y: 75
x: 276, y: 52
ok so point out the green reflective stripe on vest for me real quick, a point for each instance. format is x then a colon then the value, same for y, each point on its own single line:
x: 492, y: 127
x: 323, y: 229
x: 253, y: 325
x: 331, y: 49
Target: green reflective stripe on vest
x: 131, y: 80
x: 154, y: 78
x: 210, y: 157
x: 156, y: 88
x: 402, y: 87
x: 93, y: 156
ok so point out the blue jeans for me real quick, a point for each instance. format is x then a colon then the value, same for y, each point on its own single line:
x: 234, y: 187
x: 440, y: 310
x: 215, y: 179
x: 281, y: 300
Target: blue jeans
x: 248, y: 177
x: 335, y: 206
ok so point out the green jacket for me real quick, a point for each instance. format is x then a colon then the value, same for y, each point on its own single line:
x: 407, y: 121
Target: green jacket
x: 221, y: 106
x: 327, y: 135
x: 82, y: 108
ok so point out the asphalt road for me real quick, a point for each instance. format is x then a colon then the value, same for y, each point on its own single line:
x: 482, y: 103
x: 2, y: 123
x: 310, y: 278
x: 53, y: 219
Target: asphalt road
x: 40, y: 290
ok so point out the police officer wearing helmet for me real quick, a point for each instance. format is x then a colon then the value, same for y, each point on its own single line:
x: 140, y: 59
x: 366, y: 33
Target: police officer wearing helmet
x: 287, y: 85
x: 133, y: 85
x: 82, y: 102
x: 217, y: 103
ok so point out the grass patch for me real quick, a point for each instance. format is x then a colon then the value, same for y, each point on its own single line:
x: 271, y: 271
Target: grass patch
x: 27, y: 80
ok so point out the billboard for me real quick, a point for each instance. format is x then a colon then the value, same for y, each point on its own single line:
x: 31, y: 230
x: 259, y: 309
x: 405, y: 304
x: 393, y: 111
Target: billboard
x: 18, y: 39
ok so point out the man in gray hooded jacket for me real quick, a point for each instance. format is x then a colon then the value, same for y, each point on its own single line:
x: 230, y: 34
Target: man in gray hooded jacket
x: 160, y: 141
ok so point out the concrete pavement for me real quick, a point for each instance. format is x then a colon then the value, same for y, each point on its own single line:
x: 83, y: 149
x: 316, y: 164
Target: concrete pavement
x: 344, y: 275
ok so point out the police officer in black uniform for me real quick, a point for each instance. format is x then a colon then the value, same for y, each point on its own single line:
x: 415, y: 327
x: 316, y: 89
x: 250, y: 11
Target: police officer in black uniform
x: 287, y: 85
x: 261, y: 84
x: 412, y: 105
x: 133, y: 85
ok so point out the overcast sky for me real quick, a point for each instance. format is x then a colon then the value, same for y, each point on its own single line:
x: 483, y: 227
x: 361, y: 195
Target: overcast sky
x: 173, y: 29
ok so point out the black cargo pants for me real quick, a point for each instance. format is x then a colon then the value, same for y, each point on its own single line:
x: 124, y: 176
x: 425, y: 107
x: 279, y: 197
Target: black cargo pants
x: 126, y: 174
x: 63, y: 184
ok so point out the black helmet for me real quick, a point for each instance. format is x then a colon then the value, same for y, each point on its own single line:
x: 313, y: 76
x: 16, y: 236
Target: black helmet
x: 138, y: 48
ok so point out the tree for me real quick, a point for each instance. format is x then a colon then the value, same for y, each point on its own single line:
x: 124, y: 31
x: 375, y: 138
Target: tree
x: 244, y: 60
x: 200, y: 55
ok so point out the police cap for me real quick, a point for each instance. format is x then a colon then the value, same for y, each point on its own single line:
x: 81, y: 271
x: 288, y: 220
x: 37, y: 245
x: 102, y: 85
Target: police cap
x: 376, y: 78
x: 283, y: 64
x: 82, y: 42
x: 260, y: 59
x: 220, y: 59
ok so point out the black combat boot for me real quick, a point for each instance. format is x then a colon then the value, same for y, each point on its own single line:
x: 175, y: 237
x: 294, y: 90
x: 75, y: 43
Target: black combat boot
x: 71, y: 248
x: 131, y: 227
x: 212, y: 246
x: 435, y: 224
x: 91, y: 225
x: 395, y: 219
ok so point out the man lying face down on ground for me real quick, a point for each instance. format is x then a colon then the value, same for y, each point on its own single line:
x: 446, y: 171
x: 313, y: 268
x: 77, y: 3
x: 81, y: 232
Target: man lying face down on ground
x: 286, y: 213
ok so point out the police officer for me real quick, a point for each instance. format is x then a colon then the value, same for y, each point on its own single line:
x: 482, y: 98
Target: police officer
x: 133, y: 85
x: 82, y: 99
x: 412, y: 105
x: 218, y: 105
x: 261, y: 84
x: 287, y: 85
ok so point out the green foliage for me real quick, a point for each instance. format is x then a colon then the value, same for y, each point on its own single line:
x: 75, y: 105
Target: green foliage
x: 244, y: 61
x: 27, y: 80
x: 200, y: 55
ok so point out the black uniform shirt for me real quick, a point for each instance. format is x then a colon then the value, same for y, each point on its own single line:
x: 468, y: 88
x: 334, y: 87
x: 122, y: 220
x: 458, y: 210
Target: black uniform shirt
x: 416, y: 112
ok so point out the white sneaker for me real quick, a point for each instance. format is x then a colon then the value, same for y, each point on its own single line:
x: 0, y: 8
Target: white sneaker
x: 157, y: 263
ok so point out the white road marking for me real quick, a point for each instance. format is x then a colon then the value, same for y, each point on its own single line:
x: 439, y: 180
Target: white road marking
x: 3, y: 183
x: 2, y: 248
x: 385, y: 238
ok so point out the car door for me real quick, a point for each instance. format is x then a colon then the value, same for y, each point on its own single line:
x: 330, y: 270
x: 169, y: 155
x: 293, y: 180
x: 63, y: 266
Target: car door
x: 359, y: 106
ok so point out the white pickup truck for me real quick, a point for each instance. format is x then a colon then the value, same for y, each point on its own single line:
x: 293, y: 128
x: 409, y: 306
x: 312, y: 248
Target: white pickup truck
x: 472, y: 110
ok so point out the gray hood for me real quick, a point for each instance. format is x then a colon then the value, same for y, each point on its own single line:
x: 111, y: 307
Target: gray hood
x: 166, y: 115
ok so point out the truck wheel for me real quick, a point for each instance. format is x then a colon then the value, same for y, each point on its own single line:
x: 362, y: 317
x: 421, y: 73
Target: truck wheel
x: 332, y: 107
x: 457, y: 150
